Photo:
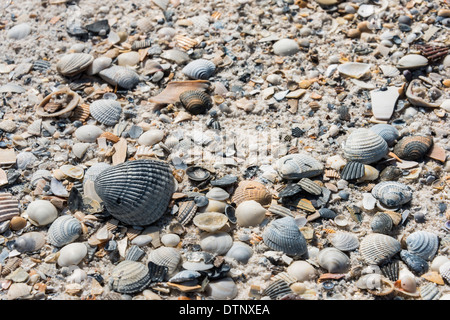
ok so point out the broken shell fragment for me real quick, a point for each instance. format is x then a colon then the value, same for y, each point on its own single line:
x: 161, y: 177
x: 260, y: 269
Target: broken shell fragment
x: 210, y: 221
x: 354, y: 69
x: 58, y: 103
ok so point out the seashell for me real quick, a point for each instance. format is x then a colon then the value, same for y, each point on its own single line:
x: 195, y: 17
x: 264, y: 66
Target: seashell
x: 290, y: 190
x: 438, y: 261
x: 389, y: 71
x: 106, y: 111
x: 277, y: 289
x: 75, y: 172
x: 130, y: 58
x: 388, y: 132
x: 370, y: 174
x: 327, y: 213
x: 88, y: 133
x: 198, y: 261
x: 381, y: 223
x: 59, y: 95
x: 72, y: 254
x: 129, y: 277
x: 185, y: 275
x: 136, y: 192
x: 230, y: 212
x: 30, y: 242
x: 407, y: 282
x: 94, y: 170
x: 171, y: 94
x: 423, y: 243
x: 284, y: 235
x: 240, y: 251
x: 9, y: 207
x: 310, y: 186
x: 377, y: 248
x: 251, y: 190
x: 186, y: 211
x: 19, y: 31
x: 392, y: 193
x: 250, y: 213
x: 197, y: 173
x: 301, y: 271
x: 174, y: 55
x: 365, y: 146
x: 444, y: 271
x: 98, y: 64
x: 285, y: 47
x: 352, y: 170
x: 344, y: 241
x: 123, y: 77
x: 199, y: 69
x: 218, y: 194
x: 412, y: 61
x: 391, y: 270
x: 41, y: 212
x: 333, y: 260
x: 151, y: 137
x: 280, y: 210
x: 391, y: 173
x: 354, y: 69
x: 167, y: 257
x: 413, y: 147
x: 210, y: 221
x: 421, y: 96
x: 64, y: 230
x: 19, y: 291
x: 196, y: 101
x: 74, y: 63
x: 223, y: 289
x: 415, y: 263
x: 430, y: 291
x: 134, y: 253
x: 216, y: 243
x: 157, y: 273
x: 297, y: 166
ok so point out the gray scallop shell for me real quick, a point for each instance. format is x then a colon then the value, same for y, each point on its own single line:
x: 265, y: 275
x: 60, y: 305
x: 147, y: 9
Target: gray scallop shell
x: 200, y: 69
x: 297, y: 166
x: 284, y: 235
x: 167, y: 257
x: 19, y: 31
x: 430, y: 291
x: 310, y: 186
x: 344, y: 241
x: 415, y: 263
x: 388, y: 132
x: 136, y: 192
x: 391, y: 270
x: 134, y: 253
x: 121, y: 76
x: 365, y: 146
x: 333, y: 260
x: 377, y: 248
x: 352, y: 170
x: 240, y: 251
x: 413, y: 147
x: 277, y: 289
x: 392, y: 193
x: 30, y: 242
x: 74, y: 63
x: 381, y: 223
x: 423, y: 243
x: 106, y: 111
x: 129, y: 277
x: 64, y: 230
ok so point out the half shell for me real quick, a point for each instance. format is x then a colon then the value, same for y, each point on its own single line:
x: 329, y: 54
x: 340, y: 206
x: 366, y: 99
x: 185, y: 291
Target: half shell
x: 251, y: 190
x: 352, y: 170
x: 413, y: 147
x: 217, y: 243
x: 240, y: 251
x: 74, y: 63
x: 285, y: 47
x: 377, y: 248
x: 354, y: 69
x: 423, y: 243
x: 392, y: 193
x: 365, y: 146
x: 344, y: 241
x: 333, y: 260
x: 412, y: 61
x: 64, y: 230
x: 310, y: 186
x: 129, y: 277
x: 186, y: 211
x: 381, y: 223
x: 210, y: 221
x: 199, y: 69
x: 388, y: 132
x: 284, y: 235
x: 19, y: 31
x: 421, y: 96
x: 66, y: 109
x: 121, y: 76
x: 196, y: 101
x: 297, y: 166
x: 106, y: 111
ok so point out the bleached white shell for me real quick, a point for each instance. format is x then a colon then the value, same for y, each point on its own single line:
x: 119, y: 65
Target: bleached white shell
x: 250, y: 213
x: 223, y: 289
x: 88, y: 133
x: 216, y: 243
x: 210, y: 221
x: 240, y: 252
x: 217, y: 194
x: 99, y: 64
x: 41, y: 212
x: 333, y: 260
x: 123, y: 77
x: 423, y: 243
x: 166, y: 256
x: 200, y: 69
x: 285, y: 47
x: 437, y: 262
x: 344, y: 241
x: 19, y: 31
x: 64, y: 230
x: 376, y: 248
x: 106, y: 111
x: 151, y: 137
x: 72, y: 254
x: 412, y: 61
x: 444, y: 271
x: 94, y: 170
x: 354, y: 69
x: 79, y: 149
x: 76, y: 172
x: 297, y: 166
x: 365, y: 146
x: 74, y: 63
x: 302, y: 271
x: 128, y: 58
x: 175, y: 55
x: 170, y: 240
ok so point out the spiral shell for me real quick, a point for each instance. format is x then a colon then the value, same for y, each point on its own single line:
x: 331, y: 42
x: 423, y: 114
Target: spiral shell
x: 344, y: 241
x: 217, y: 243
x: 352, y: 170
x: 423, y: 243
x: 199, y: 69
x: 121, y: 76
x: 284, y: 235
x: 377, y: 248
x: 196, y: 101
x: 388, y: 132
x: 74, y: 63
x: 106, y: 111
x: 240, y: 251
x: 64, y: 230
x: 30, y: 242
x: 129, y: 277
x: 210, y: 221
x: 381, y: 223
x: 167, y: 257
x: 136, y: 192
x: 297, y: 166
x: 413, y: 147
x: 251, y: 190
x: 392, y: 193
x: 333, y: 260
x: 365, y: 146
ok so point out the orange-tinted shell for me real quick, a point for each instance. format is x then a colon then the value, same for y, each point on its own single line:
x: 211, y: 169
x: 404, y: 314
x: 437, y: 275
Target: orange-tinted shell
x: 413, y: 147
x: 252, y: 190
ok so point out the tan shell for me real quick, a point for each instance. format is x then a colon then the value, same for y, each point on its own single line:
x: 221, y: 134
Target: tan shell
x: 171, y: 94
x: 251, y: 190
x: 67, y: 109
x: 210, y: 221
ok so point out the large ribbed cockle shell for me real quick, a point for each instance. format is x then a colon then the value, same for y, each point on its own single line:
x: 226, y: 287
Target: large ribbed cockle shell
x: 251, y: 190
x: 344, y: 241
x: 297, y: 166
x: 376, y: 248
x: 74, y: 63
x: 333, y: 260
x: 365, y: 146
x: 200, y: 69
x: 106, y: 111
x: 413, y: 147
x: 64, y: 230
x: 136, y: 192
x: 392, y: 193
x: 166, y: 256
x: 123, y: 77
x: 388, y: 132
x: 129, y: 277
x: 284, y: 235
x: 423, y: 243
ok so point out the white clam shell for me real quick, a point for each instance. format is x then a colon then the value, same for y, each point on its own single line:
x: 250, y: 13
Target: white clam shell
x: 216, y: 243
x: 167, y: 257
x: 76, y: 172
x: 412, y: 61
x: 98, y: 64
x: 72, y: 254
x: 170, y: 240
x: 19, y: 31
x: 354, y: 69
x: 250, y: 213
x: 41, y: 212
x: 297, y: 166
x: 151, y: 137
x: 74, y: 63
x: 106, y: 111
x: 444, y: 271
x: 88, y: 133
x: 223, y: 289
x: 128, y: 59
x: 365, y: 146
x: 240, y: 251
x: 423, y: 243
x: 30, y: 242
x: 376, y: 248
x: 302, y: 271
x: 200, y: 69
x: 333, y: 260
x: 344, y: 241
x: 217, y: 194
x: 286, y: 47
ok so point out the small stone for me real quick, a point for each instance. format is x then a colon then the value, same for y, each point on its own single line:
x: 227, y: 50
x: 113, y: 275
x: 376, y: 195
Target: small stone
x: 344, y: 195
x: 8, y: 126
x: 18, y: 275
x: 419, y: 217
x: 18, y: 223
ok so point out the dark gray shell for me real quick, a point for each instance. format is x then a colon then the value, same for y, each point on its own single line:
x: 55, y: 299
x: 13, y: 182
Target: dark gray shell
x: 352, y: 170
x: 310, y: 186
x: 413, y: 147
x: 186, y: 211
x: 391, y: 270
x: 297, y: 166
x: 423, y: 243
x: 130, y: 277
x: 381, y: 223
x: 284, y: 235
x: 121, y: 76
x: 388, y: 132
x: 136, y: 192
x: 196, y: 101
x: 277, y: 289
x: 327, y: 213
x: 106, y: 111
x: 415, y: 263
x: 64, y: 230
x: 365, y: 146
x: 199, y: 69
x: 430, y: 291
x: 392, y: 193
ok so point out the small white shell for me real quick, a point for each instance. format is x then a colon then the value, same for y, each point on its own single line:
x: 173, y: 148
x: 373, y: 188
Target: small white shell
x: 285, y: 47
x: 216, y: 243
x: 218, y: 194
x: 412, y: 61
x: 199, y: 69
x: 444, y: 271
x: 166, y: 256
x: 74, y: 63
x: 72, y: 254
x: 128, y: 59
x: 41, y: 212
x: 210, y: 221
x: 88, y: 133
x: 19, y: 31
x: 75, y: 172
x: 302, y: 271
x: 99, y: 64
x: 240, y: 251
x: 333, y: 260
x: 250, y: 213
x: 151, y: 137
x: 365, y: 146
x: 344, y: 241
x: 170, y: 240
x: 354, y: 69
x: 223, y: 289
x: 297, y: 166
x: 106, y: 111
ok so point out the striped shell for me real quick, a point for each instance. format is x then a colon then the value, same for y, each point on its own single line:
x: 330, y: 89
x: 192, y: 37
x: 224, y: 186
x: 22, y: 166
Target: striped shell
x: 121, y: 76
x: 129, y: 277
x: 218, y: 194
x: 388, y: 132
x: 186, y: 211
x: 94, y: 170
x: 392, y: 193
x: 365, y: 146
x: 106, y: 111
x: 413, y: 147
x: 381, y: 223
x: 240, y: 251
x: 344, y: 241
x: 185, y: 275
x: 423, y: 243
x: 352, y: 170
x: 196, y: 101
x: 9, y: 207
x: 167, y: 257
x: 222, y: 289
x: 277, y: 289
x: 136, y: 192
x: 284, y: 235
x: 30, y: 242
x: 297, y: 166
x: 251, y: 190
x: 74, y: 63
x: 64, y: 230
x: 444, y: 271
x: 199, y: 69
x: 310, y: 186
x: 377, y: 248
x: 333, y: 260
x: 217, y: 243
x: 391, y: 270
x: 430, y: 291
